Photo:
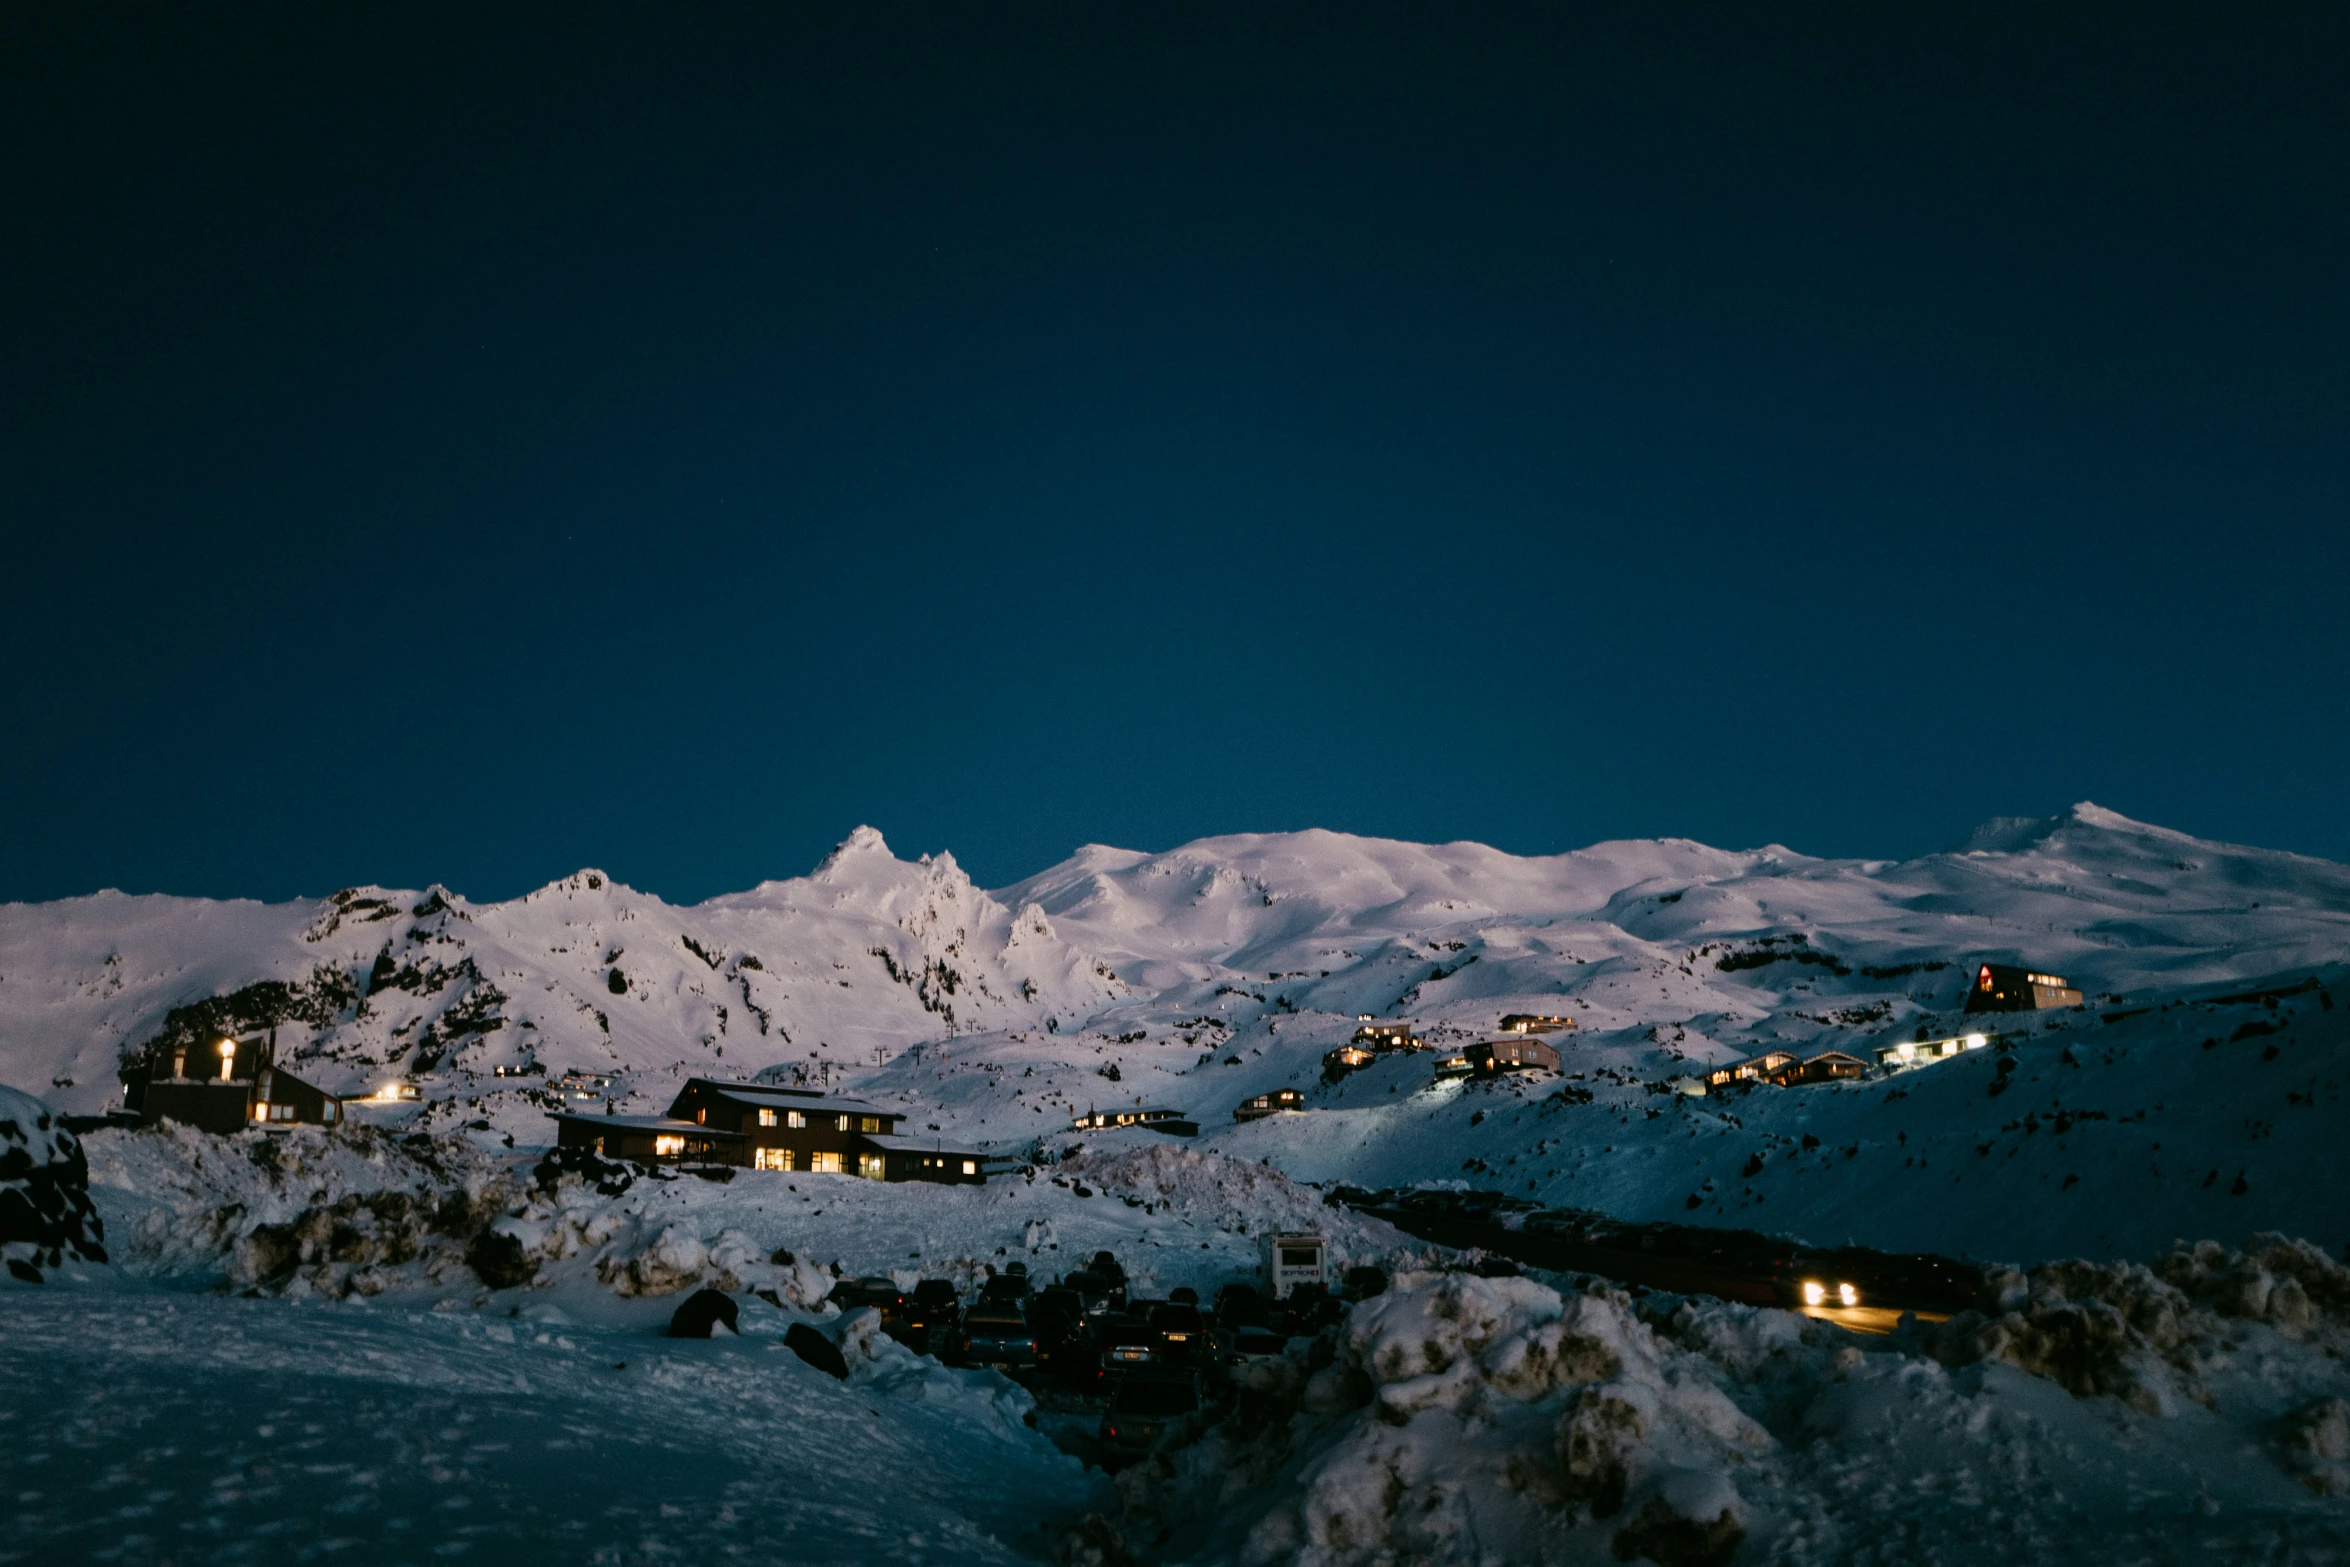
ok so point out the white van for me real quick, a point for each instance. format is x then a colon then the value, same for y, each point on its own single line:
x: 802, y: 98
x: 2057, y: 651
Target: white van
x: 1294, y: 1257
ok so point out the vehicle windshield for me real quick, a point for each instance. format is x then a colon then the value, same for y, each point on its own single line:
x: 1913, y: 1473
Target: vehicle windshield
x: 1260, y: 1343
x: 1156, y: 1398
x: 992, y: 1325
x: 1086, y: 1283
x: 935, y: 1292
x: 1177, y: 1318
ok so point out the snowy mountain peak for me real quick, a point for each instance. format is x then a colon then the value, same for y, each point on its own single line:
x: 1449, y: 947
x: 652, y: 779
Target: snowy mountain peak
x: 863, y: 843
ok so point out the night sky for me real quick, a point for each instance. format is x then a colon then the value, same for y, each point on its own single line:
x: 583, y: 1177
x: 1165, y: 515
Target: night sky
x: 438, y: 448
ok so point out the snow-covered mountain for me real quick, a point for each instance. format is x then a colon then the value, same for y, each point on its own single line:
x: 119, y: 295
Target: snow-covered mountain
x: 1227, y: 966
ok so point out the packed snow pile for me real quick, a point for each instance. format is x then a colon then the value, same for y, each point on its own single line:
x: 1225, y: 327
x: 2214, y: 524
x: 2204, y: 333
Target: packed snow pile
x: 1234, y: 1195
x: 344, y: 1211
x: 2144, y: 1334
x: 45, y: 1212
x: 1460, y: 1419
x: 1468, y: 1419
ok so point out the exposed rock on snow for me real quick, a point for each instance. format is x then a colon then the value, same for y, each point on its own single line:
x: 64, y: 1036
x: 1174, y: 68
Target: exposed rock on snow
x: 45, y: 1210
x: 703, y: 1312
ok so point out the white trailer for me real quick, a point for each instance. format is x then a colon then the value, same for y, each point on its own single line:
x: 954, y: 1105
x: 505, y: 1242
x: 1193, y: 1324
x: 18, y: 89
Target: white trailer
x: 1292, y: 1258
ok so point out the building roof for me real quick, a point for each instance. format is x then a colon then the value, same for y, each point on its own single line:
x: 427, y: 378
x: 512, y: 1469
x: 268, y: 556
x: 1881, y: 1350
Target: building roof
x: 644, y: 1123
x: 897, y: 1144
x: 765, y: 1096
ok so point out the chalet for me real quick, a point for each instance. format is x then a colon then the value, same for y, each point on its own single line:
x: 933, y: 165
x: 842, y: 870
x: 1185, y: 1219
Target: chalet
x: 1534, y: 1023
x: 1346, y: 1058
x: 1826, y: 1066
x: 1511, y: 1055
x: 224, y: 1086
x: 1754, y: 1069
x: 1386, y: 1036
x: 1998, y: 988
x: 1906, y: 1053
x: 1173, y: 1122
x: 1786, y: 1069
x: 770, y: 1128
x: 1279, y: 1101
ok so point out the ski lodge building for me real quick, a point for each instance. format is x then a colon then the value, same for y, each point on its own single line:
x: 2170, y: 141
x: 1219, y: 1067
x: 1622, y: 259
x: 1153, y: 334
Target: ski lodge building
x: 1156, y: 1119
x: 1999, y: 988
x: 225, y: 1086
x: 767, y: 1128
x: 1259, y: 1106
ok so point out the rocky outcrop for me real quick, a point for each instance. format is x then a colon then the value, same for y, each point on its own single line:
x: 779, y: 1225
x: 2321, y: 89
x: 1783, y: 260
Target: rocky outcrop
x: 45, y: 1213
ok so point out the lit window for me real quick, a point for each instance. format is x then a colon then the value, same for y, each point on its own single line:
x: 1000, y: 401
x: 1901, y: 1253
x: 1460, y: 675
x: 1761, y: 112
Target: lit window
x: 840, y: 1123
x: 824, y: 1162
x: 794, y: 1118
x: 971, y: 1167
x: 261, y: 1112
x: 771, y: 1159
x: 702, y: 1116
x: 766, y: 1118
x: 869, y: 1123
x: 871, y: 1166
x: 668, y: 1147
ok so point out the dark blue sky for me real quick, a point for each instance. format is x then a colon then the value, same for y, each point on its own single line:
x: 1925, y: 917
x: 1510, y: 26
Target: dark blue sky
x: 437, y: 447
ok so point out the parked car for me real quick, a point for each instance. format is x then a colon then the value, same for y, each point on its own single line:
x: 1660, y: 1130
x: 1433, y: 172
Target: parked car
x: 1112, y: 1274
x: 1005, y: 1287
x: 1122, y: 1343
x: 1092, y: 1288
x: 932, y: 1314
x: 1186, y: 1296
x: 996, y: 1336
x: 881, y: 1294
x: 1182, y: 1333
x: 1237, y: 1304
x: 1064, y: 1342
x: 1239, y: 1351
x: 1147, y: 1409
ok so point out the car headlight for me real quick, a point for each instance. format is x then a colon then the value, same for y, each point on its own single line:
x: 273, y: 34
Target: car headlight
x: 1848, y: 1295
x: 1814, y: 1292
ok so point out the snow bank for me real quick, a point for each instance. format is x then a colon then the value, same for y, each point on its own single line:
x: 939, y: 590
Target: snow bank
x: 45, y: 1210
x: 2146, y: 1334
x: 1459, y: 1419
x: 1236, y: 1196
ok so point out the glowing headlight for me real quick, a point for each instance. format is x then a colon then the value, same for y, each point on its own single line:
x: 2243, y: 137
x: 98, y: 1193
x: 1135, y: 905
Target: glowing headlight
x: 1814, y: 1292
x: 1848, y: 1295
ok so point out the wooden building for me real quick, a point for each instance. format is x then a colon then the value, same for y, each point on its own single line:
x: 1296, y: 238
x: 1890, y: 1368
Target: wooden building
x: 1154, y: 1119
x: 1753, y: 1069
x: 225, y: 1086
x: 1277, y: 1102
x: 1386, y: 1036
x: 1905, y: 1053
x: 769, y: 1128
x: 1825, y: 1066
x: 1512, y: 1055
x: 1999, y: 988
x: 1534, y: 1023
x: 1786, y: 1069
x: 1346, y: 1058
